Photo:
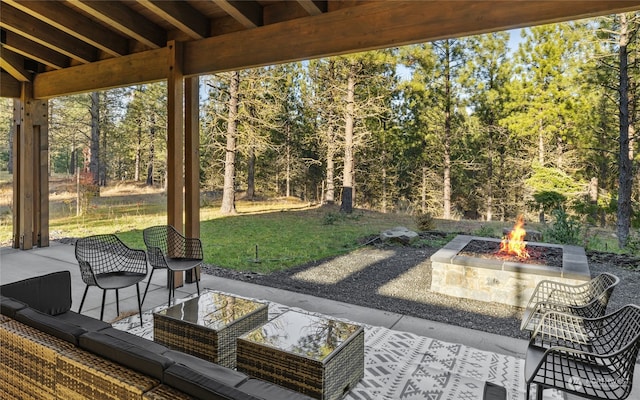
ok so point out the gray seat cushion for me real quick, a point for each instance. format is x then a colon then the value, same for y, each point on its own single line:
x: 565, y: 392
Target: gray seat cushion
x: 202, y: 386
x: 205, y: 368
x: 9, y: 306
x: 88, y: 323
x: 49, y: 324
x: 125, y: 353
x: 49, y: 293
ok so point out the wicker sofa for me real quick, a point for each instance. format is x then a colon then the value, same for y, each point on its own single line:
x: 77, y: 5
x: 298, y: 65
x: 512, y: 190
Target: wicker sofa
x: 48, y: 351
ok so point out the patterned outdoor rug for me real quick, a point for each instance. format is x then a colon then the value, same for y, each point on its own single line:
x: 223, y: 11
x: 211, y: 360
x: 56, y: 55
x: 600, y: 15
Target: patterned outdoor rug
x: 401, y: 365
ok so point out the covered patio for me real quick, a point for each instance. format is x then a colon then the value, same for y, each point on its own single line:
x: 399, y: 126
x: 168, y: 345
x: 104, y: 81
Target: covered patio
x: 387, y: 329
x: 57, y: 48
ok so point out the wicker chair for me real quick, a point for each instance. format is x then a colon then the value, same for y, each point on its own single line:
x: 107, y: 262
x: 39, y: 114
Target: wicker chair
x: 169, y: 249
x: 109, y: 264
x: 589, y: 357
x: 588, y: 300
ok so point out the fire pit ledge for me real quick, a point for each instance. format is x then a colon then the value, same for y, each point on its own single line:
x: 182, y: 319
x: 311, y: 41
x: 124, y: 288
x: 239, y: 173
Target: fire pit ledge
x: 497, y: 280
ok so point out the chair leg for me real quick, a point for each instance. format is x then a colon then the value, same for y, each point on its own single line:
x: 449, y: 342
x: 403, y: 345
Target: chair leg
x: 117, y: 304
x: 104, y: 295
x: 539, y: 390
x: 195, y: 273
x: 147, y: 288
x: 139, y: 303
x: 86, y: 289
x: 527, y: 393
x: 170, y: 287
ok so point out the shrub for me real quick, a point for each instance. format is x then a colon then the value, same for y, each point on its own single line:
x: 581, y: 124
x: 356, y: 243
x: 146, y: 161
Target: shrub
x: 425, y: 222
x: 565, y: 230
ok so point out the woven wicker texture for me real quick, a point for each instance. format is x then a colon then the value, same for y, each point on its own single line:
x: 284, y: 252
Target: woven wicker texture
x: 28, y: 357
x: 590, y: 357
x: 164, y: 392
x: 81, y: 375
x: 328, y: 380
x: 588, y: 300
x: 215, y: 345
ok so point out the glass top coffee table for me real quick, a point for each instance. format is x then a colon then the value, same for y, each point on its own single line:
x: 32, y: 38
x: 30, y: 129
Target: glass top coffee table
x: 320, y: 357
x: 207, y: 326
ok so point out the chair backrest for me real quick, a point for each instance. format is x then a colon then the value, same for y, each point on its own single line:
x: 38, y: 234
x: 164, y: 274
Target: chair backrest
x: 599, y: 292
x: 170, y: 242
x: 101, y: 254
x: 157, y: 236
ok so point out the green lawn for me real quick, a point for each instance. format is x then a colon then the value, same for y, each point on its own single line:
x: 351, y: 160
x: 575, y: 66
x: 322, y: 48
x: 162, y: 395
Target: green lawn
x: 263, y: 237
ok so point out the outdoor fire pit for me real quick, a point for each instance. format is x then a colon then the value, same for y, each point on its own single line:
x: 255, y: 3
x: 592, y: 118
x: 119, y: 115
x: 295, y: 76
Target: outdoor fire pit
x: 475, y: 268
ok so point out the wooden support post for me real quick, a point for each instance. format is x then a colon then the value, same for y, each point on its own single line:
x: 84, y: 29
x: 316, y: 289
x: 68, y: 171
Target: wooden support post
x: 192, y: 163
x: 175, y: 139
x: 30, y: 169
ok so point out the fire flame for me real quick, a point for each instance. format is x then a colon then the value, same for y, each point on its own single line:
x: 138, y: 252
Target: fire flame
x: 513, y: 244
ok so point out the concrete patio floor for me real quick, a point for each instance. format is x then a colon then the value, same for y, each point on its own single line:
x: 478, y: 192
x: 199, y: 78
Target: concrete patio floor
x: 17, y: 264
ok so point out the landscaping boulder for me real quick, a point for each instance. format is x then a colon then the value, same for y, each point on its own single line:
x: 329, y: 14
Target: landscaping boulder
x: 399, y: 234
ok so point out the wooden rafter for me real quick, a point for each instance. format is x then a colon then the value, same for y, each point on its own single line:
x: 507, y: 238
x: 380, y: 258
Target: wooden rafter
x: 14, y: 64
x: 181, y: 15
x: 32, y: 28
x: 74, y: 24
x: 35, y: 51
x: 124, y: 20
x: 313, y: 7
x: 247, y: 13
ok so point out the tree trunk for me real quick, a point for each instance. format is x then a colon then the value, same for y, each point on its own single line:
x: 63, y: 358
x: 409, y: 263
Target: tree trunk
x: 10, y: 161
x: 288, y: 154
x: 136, y: 174
x: 152, y: 154
x: 331, y: 150
x: 447, y: 136
x: 228, y: 192
x: 423, y: 190
x: 625, y: 164
x: 94, y: 149
x: 251, y: 174
x: 347, y: 180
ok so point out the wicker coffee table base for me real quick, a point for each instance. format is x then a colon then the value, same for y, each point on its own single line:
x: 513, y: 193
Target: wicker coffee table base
x: 218, y: 346
x: 326, y: 381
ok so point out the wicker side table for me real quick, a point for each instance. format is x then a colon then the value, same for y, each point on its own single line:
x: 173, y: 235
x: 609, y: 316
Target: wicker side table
x: 208, y: 326
x: 319, y: 357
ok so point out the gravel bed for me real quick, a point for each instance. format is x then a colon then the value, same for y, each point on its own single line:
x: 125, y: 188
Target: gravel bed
x: 398, y: 278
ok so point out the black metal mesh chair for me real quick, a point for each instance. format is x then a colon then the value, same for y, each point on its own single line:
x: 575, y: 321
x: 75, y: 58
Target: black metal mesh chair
x: 589, y: 357
x: 588, y: 300
x: 169, y: 249
x: 106, y: 262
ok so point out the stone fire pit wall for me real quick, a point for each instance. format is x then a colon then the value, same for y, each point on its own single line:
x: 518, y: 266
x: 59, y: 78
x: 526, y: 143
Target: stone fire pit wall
x: 495, y: 280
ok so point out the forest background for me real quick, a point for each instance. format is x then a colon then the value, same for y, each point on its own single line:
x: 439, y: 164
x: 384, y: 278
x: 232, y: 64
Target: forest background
x: 457, y: 128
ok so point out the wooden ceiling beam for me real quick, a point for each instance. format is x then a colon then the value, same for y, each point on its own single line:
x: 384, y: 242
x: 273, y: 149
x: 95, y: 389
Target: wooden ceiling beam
x: 377, y: 25
x: 124, y: 20
x: 181, y: 15
x: 13, y: 63
x: 9, y: 86
x: 35, y: 51
x: 247, y: 13
x: 137, y: 68
x: 313, y: 7
x: 74, y: 24
x: 23, y: 24
x: 370, y: 26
